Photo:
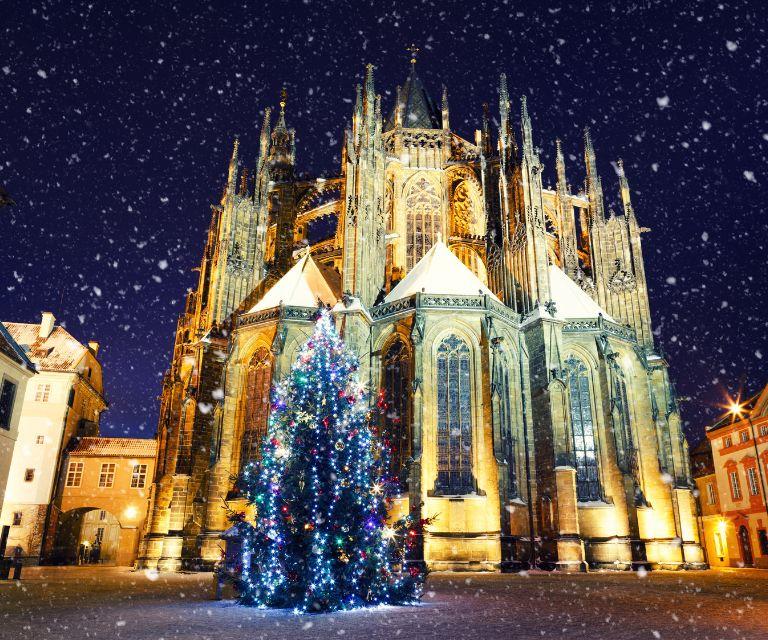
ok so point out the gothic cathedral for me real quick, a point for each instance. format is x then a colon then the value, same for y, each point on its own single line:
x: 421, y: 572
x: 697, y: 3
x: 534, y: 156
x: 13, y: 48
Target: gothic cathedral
x: 506, y: 324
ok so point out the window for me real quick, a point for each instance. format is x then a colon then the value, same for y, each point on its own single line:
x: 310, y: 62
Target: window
x: 43, y: 392
x: 752, y: 481
x: 16, y: 518
x: 454, y: 418
x: 711, y: 495
x: 743, y: 436
x: 107, y: 475
x: 29, y: 475
x: 584, y: 449
x: 735, y: 486
x: 40, y: 440
x: 763, y: 540
x: 257, y: 391
x: 139, y: 476
x: 423, y: 211
x: 99, y: 535
x: 396, y: 409
x: 102, y: 515
x: 7, y: 396
x: 727, y: 442
x: 719, y: 546
x: 74, y: 474
x: 506, y: 428
x: 764, y: 429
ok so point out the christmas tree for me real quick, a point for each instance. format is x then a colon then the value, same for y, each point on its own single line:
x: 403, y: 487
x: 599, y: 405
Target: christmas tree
x: 320, y: 541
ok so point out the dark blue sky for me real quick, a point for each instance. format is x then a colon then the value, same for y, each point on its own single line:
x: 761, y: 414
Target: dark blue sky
x: 116, y: 127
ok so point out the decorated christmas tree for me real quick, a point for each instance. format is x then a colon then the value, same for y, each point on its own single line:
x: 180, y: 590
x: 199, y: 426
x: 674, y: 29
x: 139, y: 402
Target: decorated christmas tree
x: 320, y: 541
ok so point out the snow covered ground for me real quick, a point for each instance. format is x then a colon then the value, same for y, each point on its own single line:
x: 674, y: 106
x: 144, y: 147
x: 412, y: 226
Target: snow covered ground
x: 75, y: 603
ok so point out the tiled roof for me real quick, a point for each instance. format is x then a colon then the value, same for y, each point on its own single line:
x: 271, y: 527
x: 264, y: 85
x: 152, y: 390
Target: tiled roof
x: 115, y: 447
x: 301, y: 286
x: 10, y: 348
x: 419, y: 110
x: 58, y: 352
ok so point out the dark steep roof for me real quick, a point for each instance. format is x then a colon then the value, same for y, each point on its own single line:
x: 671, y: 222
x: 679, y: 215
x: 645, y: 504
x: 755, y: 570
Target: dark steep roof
x: 419, y: 110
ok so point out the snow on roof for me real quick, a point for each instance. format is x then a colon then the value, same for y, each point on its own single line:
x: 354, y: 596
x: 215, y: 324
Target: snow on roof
x: 10, y: 348
x: 300, y: 287
x: 570, y: 300
x: 440, y: 272
x: 58, y: 352
x: 115, y: 447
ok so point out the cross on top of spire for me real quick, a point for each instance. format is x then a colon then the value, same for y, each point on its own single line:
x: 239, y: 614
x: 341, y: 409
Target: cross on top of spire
x: 283, y: 99
x: 414, y: 50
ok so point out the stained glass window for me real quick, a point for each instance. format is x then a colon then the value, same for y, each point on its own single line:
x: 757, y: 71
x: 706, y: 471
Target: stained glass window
x: 396, y: 383
x: 454, y: 418
x: 257, y: 388
x: 509, y: 442
x: 584, y: 449
x: 424, y: 220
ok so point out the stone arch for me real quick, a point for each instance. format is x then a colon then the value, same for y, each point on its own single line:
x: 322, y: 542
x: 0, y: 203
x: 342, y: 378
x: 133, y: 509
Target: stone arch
x: 256, y: 401
x: 87, y: 535
x: 466, y: 208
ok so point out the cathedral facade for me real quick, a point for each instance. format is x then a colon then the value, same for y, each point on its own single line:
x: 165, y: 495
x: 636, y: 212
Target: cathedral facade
x: 503, y: 326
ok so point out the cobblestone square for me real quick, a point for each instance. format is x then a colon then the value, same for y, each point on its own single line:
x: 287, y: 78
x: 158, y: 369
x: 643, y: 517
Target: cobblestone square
x: 77, y: 603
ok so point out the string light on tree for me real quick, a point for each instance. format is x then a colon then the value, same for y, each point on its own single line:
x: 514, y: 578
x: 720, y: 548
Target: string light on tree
x: 320, y: 541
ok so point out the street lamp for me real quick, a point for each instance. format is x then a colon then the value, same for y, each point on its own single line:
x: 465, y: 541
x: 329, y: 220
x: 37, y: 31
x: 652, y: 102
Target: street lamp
x: 738, y: 411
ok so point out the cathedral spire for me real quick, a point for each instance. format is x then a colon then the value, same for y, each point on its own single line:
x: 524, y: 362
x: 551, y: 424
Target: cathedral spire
x: 594, y: 184
x: 264, y: 138
x: 560, y: 166
x: 624, y: 188
x: 234, y: 167
x: 527, y: 128
x: 446, y: 115
x: 504, y: 110
x: 282, y: 154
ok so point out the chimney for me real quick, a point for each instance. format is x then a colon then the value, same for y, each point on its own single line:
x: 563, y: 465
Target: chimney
x: 46, y: 324
x: 94, y: 347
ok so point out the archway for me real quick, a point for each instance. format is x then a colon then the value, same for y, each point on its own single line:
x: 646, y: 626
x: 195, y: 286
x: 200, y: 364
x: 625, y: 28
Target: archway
x: 746, y: 546
x: 87, y: 536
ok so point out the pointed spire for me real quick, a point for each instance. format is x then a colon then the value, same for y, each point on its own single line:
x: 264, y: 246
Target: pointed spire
x: 234, y: 166
x: 283, y: 101
x: 624, y: 188
x: 525, y: 122
x: 446, y: 115
x: 560, y: 165
x: 370, y: 98
x: 264, y: 135
x: 282, y: 153
x: 504, y: 110
x: 594, y: 185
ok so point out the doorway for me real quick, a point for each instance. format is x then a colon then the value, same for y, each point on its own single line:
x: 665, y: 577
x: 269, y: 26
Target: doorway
x: 746, y: 546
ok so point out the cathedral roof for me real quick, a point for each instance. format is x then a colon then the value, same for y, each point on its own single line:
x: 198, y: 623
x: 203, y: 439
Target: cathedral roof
x: 419, y: 111
x: 439, y: 272
x: 302, y: 286
x: 570, y: 300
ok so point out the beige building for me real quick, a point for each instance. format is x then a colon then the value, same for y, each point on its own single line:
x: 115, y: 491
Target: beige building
x: 102, y: 500
x: 15, y: 371
x: 732, y: 496
x: 505, y: 321
x: 64, y: 400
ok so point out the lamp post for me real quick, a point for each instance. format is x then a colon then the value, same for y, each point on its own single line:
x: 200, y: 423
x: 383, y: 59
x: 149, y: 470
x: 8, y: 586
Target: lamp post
x: 737, y: 411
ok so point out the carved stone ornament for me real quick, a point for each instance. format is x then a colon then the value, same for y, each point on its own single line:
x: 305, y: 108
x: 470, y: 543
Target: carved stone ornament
x: 621, y: 280
x: 417, y: 331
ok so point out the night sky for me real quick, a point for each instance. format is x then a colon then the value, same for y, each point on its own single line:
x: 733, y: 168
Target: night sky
x: 116, y: 127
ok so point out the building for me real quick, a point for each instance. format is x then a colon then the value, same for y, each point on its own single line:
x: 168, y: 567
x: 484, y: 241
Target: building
x: 15, y: 371
x: 102, y: 500
x: 713, y: 528
x: 735, y: 519
x: 506, y: 322
x: 64, y: 401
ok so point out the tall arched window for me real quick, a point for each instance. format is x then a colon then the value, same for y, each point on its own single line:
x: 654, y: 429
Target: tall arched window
x: 396, y: 382
x: 258, y: 384
x: 584, y: 448
x: 508, y: 439
x: 423, y: 219
x: 454, y: 418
